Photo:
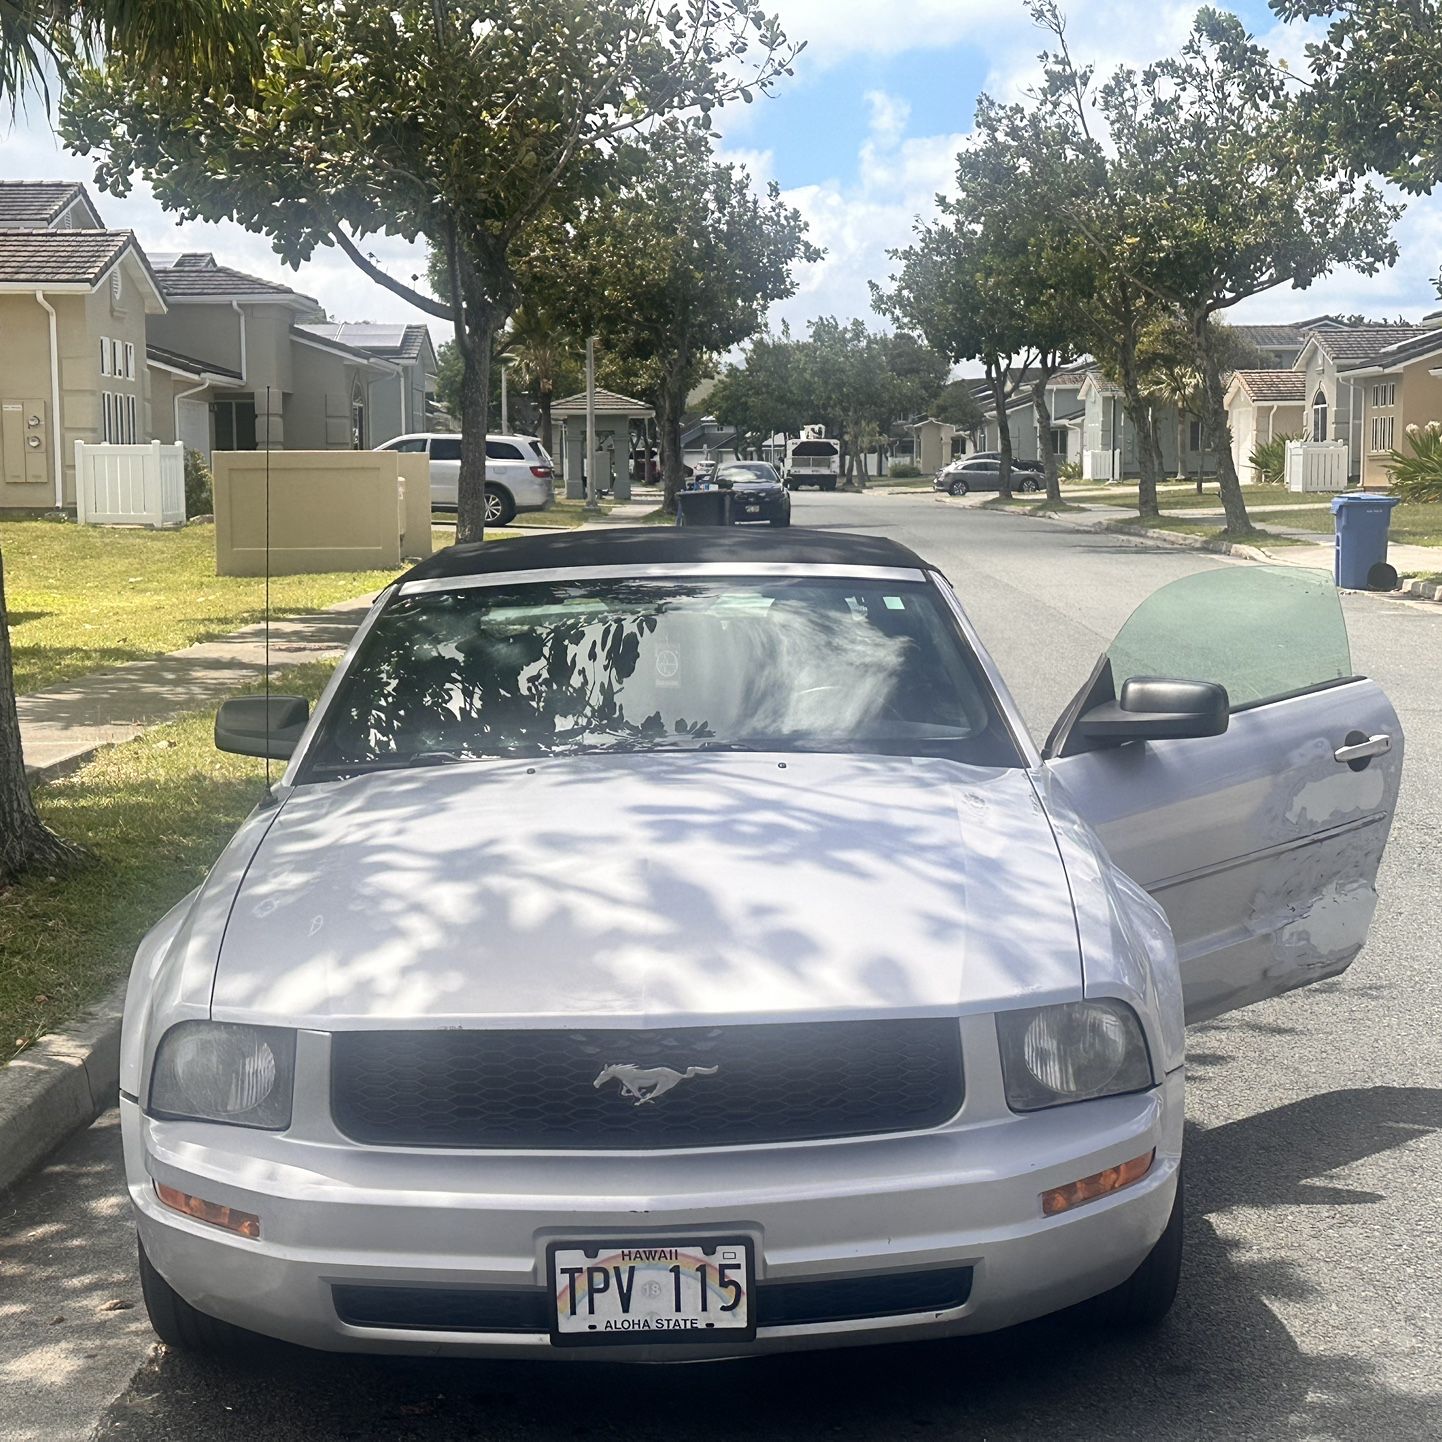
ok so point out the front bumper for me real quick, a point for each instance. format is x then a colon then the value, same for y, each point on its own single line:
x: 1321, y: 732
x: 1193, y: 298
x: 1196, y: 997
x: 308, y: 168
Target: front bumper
x: 334, y: 1214
x: 763, y: 506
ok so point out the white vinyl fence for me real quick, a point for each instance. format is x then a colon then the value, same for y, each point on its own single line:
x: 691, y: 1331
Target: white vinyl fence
x: 1317, y: 466
x: 130, y: 485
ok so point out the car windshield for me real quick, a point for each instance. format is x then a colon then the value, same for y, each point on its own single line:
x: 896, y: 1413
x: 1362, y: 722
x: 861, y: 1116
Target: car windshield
x: 757, y: 471
x: 578, y: 667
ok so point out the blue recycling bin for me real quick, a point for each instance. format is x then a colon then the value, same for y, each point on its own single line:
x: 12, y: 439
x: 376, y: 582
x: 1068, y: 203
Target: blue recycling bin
x: 1361, y: 557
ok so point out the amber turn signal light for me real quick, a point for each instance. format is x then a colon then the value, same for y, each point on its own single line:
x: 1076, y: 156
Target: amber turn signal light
x: 1088, y: 1189
x: 243, y: 1224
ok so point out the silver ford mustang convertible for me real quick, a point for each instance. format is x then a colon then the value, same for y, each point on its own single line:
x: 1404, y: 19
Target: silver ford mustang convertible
x: 667, y: 945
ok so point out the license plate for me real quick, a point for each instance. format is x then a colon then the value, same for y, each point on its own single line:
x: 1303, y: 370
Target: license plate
x: 640, y: 1291
x: 752, y: 510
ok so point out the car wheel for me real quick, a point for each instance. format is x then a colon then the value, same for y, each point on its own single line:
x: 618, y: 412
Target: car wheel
x: 1146, y: 1297
x: 957, y: 488
x: 1028, y: 483
x: 827, y: 486
x: 183, y: 1328
x: 784, y: 520
x: 500, y: 507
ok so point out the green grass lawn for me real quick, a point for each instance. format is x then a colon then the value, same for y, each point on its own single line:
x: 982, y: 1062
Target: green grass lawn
x: 84, y: 598
x: 1208, y: 530
x: 1413, y: 523
x: 155, y: 812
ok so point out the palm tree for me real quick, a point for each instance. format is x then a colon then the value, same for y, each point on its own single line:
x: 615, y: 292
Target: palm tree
x: 544, y: 352
x: 38, y: 38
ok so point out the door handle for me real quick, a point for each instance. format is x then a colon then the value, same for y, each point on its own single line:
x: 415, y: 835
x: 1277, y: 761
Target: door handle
x: 1364, y: 749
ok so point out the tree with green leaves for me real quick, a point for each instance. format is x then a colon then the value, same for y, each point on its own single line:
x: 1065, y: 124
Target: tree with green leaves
x: 764, y: 393
x: 37, y: 36
x: 675, y: 265
x: 1376, y: 84
x: 461, y: 122
x: 956, y: 404
x: 1214, y: 211
x: 952, y: 286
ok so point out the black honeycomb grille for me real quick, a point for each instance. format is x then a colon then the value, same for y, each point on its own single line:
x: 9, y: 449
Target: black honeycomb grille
x: 536, y: 1089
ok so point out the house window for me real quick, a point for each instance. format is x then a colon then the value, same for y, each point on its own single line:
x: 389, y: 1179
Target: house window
x: 129, y: 360
x: 105, y: 355
x: 1384, y: 396
x: 132, y: 430
x: 1058, y: 442
x: 116, y: 360
x: 1194, y: 435
x: 357, y: 426
x: 1384, y: 433
x: 234, y: 424
x: 1319, y: 416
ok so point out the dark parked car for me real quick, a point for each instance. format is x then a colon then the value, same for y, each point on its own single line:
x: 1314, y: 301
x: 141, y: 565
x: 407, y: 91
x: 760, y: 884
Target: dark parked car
x: 759, y: 494
x: 983, y: 473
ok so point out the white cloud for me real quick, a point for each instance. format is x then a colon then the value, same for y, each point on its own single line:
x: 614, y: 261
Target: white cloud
x: 857, y: 221
x: 30, y: 152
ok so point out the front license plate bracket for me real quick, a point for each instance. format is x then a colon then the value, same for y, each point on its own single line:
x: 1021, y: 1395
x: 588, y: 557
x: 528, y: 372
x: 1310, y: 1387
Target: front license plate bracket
x: 652, y: 1292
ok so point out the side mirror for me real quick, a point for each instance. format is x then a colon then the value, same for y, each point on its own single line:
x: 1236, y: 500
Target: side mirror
x: 261, y: 726
x: 1154, y: 709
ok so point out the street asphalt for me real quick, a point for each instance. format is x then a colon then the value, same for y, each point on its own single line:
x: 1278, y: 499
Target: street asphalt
x: 1310, y: 1304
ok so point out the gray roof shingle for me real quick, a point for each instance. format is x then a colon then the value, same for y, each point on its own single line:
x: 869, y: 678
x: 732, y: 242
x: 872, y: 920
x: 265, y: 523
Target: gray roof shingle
x: 1427, y: 341
x: 1277, y: 387
x: 190, y: 363
x: 197, y: 273
x: 61, y: 257
x: 33, y: 204
x: 1353, y: 345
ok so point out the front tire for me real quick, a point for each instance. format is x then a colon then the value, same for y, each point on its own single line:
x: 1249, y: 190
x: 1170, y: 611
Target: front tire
x: 1028, y: 485
x: 783, y: 520
x: 181, y: 1327
x: 500, y: 506
x: 1146, y: 1297
x: 957, y: 488
x: 828, y: 485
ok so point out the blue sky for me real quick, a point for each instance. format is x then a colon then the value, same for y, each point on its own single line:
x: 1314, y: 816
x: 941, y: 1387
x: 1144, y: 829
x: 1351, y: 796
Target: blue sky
x: 860, y: 140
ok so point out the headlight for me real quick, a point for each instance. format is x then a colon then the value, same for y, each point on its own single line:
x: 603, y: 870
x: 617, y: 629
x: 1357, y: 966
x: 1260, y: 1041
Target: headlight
x: 1071, y: 1053
x: 222, y: 1072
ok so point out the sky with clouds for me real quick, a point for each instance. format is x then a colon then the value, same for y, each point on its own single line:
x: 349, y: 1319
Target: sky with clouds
x: 860, y: 140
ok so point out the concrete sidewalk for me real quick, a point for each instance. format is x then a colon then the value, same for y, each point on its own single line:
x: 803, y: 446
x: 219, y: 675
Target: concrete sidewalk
x: 61, y: 727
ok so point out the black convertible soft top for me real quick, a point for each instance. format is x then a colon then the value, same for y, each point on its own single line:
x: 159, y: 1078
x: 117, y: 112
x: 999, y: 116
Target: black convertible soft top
x: 662, y: 546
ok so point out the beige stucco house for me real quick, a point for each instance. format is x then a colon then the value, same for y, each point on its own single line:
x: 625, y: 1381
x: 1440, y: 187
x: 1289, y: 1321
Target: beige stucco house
x: 1262, y: 405
x: 103, y: 343
x: 74, y: 306
x: 1400, y: 386
x: 1322, y: 396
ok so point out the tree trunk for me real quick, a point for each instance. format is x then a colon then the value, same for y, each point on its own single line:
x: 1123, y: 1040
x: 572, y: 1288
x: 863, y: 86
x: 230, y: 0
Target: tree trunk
x: 1149, y: 447
x: 1043, y: 436
x: 996, y: 374
x: 26, y: 843
x: 669, y: 408
x: 476, y: 344
x: 1216, y: 433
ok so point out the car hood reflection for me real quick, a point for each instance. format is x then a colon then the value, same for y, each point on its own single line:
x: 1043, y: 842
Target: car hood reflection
x: 651, y: 889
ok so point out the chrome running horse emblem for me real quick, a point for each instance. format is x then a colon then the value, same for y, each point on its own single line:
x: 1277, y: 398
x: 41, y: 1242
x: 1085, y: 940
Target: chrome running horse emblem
x: 646, y: 1083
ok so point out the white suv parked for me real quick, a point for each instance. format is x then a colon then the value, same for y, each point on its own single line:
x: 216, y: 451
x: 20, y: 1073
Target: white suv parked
x: 519, y: 473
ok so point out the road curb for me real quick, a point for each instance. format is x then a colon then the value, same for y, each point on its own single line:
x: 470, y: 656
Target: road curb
x: 58, y: 1086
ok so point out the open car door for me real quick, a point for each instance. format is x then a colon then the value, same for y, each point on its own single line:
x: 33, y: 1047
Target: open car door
x: 1260, y: 828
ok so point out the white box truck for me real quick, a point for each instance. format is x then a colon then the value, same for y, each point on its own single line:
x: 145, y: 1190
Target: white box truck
x: 812, y: 460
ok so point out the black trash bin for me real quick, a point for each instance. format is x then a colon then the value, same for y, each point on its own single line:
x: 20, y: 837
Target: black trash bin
x: 703, y: 508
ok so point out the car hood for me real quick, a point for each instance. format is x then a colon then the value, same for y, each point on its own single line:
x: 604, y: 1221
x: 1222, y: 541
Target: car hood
x: 650, y: 889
